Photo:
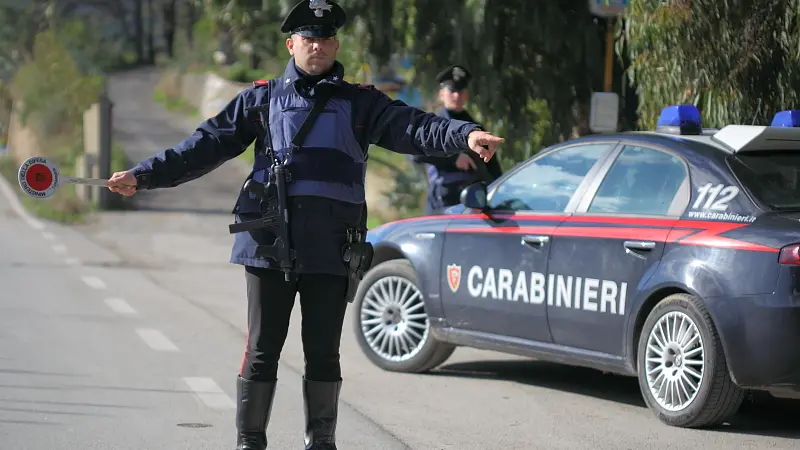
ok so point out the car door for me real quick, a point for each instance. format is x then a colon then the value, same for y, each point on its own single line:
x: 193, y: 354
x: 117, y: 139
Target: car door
x: 495, y: 264
x: 612, y: 242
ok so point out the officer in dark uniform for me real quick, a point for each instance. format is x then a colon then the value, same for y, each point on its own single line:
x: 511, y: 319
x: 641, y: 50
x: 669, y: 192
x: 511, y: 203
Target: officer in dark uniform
x: 326, y: 201
x: 447, y: 176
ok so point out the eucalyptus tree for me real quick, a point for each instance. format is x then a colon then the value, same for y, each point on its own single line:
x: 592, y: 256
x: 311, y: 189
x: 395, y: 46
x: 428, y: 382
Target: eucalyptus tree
x: 737, y: 60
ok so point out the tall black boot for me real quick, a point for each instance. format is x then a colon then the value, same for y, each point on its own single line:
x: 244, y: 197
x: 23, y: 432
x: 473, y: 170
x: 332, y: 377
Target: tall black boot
x: 252, y: 413
x: 321, y: 399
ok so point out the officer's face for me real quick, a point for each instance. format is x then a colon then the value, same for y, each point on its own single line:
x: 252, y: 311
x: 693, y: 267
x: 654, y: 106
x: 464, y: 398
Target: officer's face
x: 453, y: 100
x: 314, y: 55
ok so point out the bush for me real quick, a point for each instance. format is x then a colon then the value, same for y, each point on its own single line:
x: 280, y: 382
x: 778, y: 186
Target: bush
x: 50, y: 94
x: 53, y: 89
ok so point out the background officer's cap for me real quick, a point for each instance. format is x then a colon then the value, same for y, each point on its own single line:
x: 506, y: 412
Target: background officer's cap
x: 314, y: 18
x: 455, y: 78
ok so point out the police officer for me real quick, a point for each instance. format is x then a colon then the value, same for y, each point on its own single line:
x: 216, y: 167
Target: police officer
x: 449, y: 175
x: 326, y: 200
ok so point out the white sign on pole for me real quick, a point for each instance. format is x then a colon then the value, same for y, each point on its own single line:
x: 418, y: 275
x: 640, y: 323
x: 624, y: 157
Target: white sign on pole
x: 607, y: 8
x: 604, y: 112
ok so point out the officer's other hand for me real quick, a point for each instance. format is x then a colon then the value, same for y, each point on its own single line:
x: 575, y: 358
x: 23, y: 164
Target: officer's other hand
x: 465, y: 163
x: 484, y: 144
x: 123, y: 183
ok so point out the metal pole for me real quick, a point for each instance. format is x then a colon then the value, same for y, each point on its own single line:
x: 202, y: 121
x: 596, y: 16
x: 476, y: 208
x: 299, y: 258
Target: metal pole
x: 609, y: 53
x: 104, y: 154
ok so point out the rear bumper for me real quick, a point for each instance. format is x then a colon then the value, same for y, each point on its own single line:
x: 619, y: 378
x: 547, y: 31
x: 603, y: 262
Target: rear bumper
x: 760, y: 335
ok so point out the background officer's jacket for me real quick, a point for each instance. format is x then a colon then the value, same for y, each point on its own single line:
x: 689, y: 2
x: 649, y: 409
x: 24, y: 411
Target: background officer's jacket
x: 328, y: 198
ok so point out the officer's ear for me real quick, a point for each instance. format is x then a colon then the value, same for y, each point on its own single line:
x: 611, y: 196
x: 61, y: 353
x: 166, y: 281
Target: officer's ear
x: 290, y: 45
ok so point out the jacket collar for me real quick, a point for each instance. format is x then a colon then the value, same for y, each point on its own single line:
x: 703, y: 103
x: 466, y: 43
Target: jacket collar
x: 292, y: 74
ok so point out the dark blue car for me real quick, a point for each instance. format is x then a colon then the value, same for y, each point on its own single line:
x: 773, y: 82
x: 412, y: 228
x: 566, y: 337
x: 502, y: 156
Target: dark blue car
x: 672, y: 256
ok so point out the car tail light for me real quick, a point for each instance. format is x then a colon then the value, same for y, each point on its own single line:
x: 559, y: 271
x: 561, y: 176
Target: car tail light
x: 790, y: 255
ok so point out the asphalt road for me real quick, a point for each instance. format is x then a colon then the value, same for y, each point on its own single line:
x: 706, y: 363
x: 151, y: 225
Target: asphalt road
x: 96, y: 355
x: 115, y: 333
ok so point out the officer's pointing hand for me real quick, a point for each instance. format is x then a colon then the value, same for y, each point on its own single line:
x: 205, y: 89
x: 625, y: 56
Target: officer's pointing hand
x: 123, y: 183
x: 484, y: 144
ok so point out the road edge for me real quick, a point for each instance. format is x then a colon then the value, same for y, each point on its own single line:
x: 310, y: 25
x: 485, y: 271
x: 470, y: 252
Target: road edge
x: 16, y: 205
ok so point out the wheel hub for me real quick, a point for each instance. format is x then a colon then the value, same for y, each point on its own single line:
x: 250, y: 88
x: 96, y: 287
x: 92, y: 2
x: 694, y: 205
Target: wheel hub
x: 392, y: 316
x: 673, y: 356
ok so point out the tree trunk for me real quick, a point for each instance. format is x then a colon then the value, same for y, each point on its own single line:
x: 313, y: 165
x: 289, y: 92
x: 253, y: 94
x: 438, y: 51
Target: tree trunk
x: 139, y: 30
x: 255, y: 60
x: 169, y: 26
x: 151, y: 16
x: 191, y: 17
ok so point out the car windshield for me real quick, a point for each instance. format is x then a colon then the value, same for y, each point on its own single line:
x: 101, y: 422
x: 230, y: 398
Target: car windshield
x: 772, y: 177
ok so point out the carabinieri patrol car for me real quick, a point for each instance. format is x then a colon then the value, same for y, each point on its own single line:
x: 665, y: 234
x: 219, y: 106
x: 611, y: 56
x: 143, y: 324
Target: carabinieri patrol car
x: 673, y: 256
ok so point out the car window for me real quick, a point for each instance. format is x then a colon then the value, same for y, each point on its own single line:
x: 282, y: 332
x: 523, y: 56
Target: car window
x: 773, y: 177
x: 547, y: 183
x: 641, y: 181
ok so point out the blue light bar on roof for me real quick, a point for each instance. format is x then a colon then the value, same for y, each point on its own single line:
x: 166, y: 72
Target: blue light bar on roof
x: 681, y: 119
x: 788, y: 119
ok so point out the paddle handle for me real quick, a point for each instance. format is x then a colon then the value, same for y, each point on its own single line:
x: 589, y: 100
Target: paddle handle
x: 87, y: 181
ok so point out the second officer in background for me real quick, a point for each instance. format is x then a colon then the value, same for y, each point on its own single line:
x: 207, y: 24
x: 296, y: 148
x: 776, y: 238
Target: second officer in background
x: 325, y: 200
x: 447, y: 176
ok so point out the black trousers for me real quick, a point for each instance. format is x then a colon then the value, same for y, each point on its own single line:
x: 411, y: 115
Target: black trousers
x: 270, y: 300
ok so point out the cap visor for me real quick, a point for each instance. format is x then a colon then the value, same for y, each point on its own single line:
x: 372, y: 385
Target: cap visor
x: 453, y: 87
x: 316, y: 31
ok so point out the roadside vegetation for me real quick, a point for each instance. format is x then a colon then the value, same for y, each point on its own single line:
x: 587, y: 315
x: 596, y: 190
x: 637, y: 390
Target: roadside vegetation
x: 49, y: 94
x: 534, y: 77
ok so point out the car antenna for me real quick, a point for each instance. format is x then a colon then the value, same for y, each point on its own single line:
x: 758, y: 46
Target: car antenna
x: 758, y: 109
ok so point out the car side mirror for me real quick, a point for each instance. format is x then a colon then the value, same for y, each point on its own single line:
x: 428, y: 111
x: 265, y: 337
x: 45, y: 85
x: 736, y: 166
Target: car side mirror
x: 474, y: 196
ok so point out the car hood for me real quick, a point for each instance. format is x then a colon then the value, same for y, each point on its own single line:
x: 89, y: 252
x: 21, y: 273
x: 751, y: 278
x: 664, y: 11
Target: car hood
x: 379, y: 233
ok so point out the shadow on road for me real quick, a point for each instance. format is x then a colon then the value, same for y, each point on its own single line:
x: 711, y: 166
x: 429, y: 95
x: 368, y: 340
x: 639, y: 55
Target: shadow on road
x: 29, y: 422
x: 37, y: 372
x: 210, y: 211
x: 80, y: 404
x: 73, y: 387
x: 578, y: 380
x: 759, y: 415
x: 50, y: 412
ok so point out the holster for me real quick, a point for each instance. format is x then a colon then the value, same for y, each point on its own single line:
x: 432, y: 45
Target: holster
x: 357, y: 255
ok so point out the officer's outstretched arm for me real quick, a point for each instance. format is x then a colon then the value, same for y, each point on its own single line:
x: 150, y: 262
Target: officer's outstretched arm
x: 400, y: 128
x: 216, y: 140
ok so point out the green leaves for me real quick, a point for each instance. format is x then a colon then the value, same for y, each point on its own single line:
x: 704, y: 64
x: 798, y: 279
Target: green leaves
x: 736, y: 60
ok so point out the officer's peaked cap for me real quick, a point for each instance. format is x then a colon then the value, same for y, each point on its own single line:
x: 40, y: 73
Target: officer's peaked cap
x: 455, y: 77
x: 314, y: 18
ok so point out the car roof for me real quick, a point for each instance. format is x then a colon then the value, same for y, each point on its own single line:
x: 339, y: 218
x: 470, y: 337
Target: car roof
x: 712, y: 142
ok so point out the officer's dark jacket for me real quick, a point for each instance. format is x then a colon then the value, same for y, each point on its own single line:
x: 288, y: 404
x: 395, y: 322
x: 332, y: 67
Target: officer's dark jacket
x: 320, y: 212
x: 442, y: 171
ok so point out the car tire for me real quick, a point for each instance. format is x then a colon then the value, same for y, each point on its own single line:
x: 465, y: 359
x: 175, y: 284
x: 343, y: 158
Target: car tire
x: 423, y: 357
x: 715, y: 397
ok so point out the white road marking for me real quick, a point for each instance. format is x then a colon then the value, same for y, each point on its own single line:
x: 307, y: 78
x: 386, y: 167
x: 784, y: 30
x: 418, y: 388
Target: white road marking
x: 209, y: 392
x: 72, y: 261
x: 16, y: 205
x: 59, y: 248
x: 156, y: 340
x: 120, y: 306
x: 94, y: 282
x: 49, y: 236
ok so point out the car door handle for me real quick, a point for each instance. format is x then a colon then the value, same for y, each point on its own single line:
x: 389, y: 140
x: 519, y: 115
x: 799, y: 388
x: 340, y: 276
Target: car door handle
x: 535, y: 241
x: 639, y: 245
